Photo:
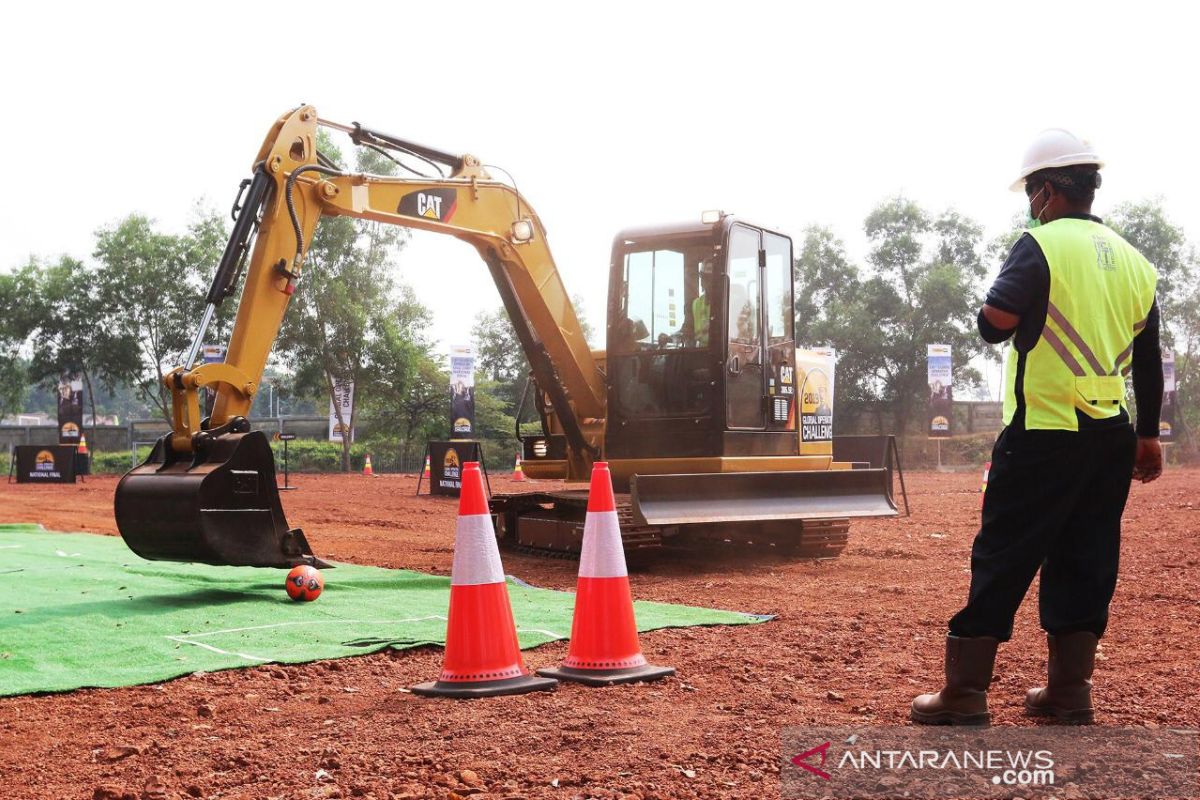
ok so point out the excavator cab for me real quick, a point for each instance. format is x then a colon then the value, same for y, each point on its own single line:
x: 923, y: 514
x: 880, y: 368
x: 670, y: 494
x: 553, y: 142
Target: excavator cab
x: 701, y: 353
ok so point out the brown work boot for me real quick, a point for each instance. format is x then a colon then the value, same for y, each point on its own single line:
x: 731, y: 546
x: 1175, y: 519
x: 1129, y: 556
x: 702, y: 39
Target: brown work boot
x: 963, y: 700
x: 1067, y: 694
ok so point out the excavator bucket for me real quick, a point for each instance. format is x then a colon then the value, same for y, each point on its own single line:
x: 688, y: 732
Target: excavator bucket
x: 761, y: 496
x: 220, y: 507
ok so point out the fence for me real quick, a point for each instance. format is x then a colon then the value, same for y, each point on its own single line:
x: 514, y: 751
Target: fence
x: 136, y: 436
x: 970, y: 417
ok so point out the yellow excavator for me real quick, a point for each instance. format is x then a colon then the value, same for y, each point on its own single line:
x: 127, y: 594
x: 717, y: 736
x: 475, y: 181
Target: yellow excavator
x: 693, y: 403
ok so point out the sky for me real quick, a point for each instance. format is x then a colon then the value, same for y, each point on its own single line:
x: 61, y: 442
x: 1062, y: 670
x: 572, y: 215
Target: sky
x: 608, y: 115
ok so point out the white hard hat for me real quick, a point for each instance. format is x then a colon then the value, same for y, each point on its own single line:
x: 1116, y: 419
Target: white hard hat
x: 1055, y: 147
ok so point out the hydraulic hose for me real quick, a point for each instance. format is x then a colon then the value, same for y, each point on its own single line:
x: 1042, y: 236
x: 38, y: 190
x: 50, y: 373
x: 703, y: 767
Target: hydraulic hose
x: 291, y: 206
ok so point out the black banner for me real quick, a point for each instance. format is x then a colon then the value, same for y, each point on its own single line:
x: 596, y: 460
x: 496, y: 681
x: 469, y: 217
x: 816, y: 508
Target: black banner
x: 445, y: 465
x: 70, y: 410
x: 53, y: 463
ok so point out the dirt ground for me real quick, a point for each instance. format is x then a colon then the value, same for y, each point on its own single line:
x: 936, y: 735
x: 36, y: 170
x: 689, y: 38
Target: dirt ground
x: 854, y: 640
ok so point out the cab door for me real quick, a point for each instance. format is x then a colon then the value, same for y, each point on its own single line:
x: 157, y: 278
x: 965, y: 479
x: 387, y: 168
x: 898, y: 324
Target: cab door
x: 779, y: 315
x: 745, y: 375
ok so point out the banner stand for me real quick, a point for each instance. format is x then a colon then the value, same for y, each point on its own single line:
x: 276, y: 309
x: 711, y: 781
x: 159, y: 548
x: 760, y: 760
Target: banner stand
x: 478, y: 451
x: 285, y: 438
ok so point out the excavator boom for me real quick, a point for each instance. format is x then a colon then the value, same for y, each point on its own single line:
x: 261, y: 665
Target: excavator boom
x: 207, y: 493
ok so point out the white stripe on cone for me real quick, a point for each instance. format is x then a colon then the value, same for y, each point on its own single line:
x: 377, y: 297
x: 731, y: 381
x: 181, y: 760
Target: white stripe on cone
x: 602, y: 556
x: 476, y: 554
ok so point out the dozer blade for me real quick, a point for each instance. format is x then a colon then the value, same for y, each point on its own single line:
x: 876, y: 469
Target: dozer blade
x: 761, y: 496
x: 221, y: 508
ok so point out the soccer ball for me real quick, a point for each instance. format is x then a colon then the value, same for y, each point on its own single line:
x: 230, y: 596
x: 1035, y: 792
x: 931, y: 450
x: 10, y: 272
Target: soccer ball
x: 304, y: 583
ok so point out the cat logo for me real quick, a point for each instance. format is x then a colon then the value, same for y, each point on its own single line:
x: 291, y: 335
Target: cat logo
x: 940, y: 424
x: 70, y: 430
x: 1164, y: 428
x: 435, y: 204
x: 45, y: 461
x: 462, y: 425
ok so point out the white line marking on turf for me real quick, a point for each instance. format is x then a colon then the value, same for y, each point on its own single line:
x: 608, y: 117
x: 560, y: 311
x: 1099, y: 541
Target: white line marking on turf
x: 188, y: 638
x: 315, y: 622
x: 551, y: 634
x: 246, y: 656
x: 66, y: 555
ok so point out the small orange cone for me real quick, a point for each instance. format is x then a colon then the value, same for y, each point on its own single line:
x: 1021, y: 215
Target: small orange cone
x: 483, y: 657
x: 368, y: 470
x: 426, y: 466
x: 82, y: 445
x: 604, y: 639
x: 518, y: 471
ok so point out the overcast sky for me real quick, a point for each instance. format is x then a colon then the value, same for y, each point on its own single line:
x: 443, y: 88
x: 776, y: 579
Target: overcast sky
x: 607, y: 114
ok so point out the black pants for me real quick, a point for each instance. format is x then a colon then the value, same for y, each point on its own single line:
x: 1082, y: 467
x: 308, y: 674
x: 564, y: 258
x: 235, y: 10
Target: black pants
x: 1054, y: 501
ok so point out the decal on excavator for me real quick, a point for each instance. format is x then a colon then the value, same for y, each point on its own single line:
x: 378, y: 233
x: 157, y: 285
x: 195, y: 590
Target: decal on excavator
x: 439, y: 204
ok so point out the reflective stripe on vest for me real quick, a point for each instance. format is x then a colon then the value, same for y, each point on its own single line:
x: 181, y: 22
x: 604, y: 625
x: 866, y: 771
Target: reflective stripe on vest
x: 1101, y: 292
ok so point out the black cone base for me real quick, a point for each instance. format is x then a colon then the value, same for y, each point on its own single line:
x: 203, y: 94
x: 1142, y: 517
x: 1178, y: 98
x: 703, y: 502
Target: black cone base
x: 607, y: 677
x: 521, y: 685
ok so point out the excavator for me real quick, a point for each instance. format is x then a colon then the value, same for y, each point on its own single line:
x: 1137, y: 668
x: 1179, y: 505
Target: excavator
x: 693, y: 403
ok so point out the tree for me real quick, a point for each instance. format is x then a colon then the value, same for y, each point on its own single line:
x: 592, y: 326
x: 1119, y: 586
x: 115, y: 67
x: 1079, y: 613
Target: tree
x: 151, y: 286
x: 347, y: 323
x: 1147, y: 227
x: 920, y: 287
x: 501, y: 358
x: 924, y: 291
x: 19, y: 297
x: 406, y: 392
x: 71, y: 335
x: 830, y: 313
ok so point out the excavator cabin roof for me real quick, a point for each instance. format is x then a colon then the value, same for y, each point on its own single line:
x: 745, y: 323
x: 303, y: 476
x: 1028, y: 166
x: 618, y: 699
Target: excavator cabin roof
x: 688, y: 228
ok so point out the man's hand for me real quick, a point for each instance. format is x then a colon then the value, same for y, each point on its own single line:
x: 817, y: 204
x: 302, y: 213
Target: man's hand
x: 1148, y: 463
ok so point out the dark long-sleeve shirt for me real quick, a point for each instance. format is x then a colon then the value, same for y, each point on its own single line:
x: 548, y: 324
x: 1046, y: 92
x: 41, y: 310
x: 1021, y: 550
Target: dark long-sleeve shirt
x: 1023, y: 288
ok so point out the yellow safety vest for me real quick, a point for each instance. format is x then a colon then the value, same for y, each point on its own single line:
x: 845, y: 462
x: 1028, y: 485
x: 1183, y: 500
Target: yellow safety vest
x: 1101, y: 292
x: 700, y: 314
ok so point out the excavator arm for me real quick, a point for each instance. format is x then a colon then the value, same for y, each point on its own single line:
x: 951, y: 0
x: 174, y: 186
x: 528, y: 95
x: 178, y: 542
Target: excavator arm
x: 203, y: 494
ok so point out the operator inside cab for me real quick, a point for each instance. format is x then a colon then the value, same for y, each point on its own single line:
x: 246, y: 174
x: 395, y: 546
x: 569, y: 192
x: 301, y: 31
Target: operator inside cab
x: 701, y: 309
x: 666, y: 291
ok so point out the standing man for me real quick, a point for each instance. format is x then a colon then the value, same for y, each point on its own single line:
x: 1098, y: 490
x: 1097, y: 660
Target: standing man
x: 1078, y: 301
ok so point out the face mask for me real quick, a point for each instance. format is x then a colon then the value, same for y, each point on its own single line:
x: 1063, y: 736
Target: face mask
x: 1032, y: 221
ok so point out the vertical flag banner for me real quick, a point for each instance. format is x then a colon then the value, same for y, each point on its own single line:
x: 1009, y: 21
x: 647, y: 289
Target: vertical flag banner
x: 814, y: 379
x: 70, y: 408
x: 462, y: 392
x: 343, y: 400
x: 941, y: 394
x: 1166, y: 422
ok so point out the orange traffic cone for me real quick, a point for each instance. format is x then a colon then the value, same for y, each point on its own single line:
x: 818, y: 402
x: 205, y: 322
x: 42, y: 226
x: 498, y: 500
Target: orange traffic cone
x: 483, y: 657
x: 604, y: 639
x: 518, y: 471
x: 368, y: 470
x: 82, y: 445
x: 426, y: 466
